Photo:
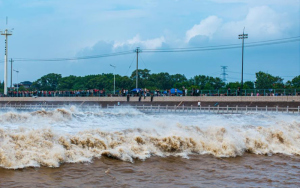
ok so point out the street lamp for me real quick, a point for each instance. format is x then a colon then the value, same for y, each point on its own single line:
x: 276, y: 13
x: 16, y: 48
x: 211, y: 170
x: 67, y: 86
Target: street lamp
x: 17, y: 82
x: 243, y: 36
x: 114, y: 77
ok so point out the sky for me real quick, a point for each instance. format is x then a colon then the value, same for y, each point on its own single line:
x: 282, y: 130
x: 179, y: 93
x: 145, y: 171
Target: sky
x: 47, y: 29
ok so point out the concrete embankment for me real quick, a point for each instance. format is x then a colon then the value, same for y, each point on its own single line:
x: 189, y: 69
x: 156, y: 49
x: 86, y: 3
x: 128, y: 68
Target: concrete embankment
x: 261, y: 101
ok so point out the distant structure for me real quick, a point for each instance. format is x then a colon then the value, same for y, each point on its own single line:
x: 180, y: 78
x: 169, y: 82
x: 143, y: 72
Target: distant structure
x: 224, y: 74
x: 6, y: 33
x: 25, y: 84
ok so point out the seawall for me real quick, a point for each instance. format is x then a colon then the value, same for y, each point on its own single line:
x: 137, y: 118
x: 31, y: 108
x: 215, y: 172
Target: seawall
x: 283, y: 101
x: 159, y: 99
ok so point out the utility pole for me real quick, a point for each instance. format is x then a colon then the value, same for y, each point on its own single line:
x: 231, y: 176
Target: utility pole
x: 137, y: 66
x: 224, y: 73
x: 114, y: 77
x: 6, y: 33
x: 243, y: 36
x: 17, y: 82
x: 11, y: 73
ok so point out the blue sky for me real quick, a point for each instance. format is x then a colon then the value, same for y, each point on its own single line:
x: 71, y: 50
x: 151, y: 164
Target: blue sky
x: 74, y: 28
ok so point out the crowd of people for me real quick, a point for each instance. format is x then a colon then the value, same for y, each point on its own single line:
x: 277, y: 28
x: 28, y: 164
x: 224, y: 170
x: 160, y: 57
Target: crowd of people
x: 75, y: 93
x: 146, y: 92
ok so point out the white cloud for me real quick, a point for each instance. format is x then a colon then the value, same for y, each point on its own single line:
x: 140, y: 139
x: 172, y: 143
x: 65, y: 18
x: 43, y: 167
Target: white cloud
x: 259, y: 22
x: 137, y: 42
x: 207, y: 27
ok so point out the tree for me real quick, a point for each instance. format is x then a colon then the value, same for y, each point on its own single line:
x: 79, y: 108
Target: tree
x: 248, y: 85
x: 233, y: 85
x: 67, y: 83
x: 143, y: 76
x: 161, y: 80
x: 179, y: 81
x: 48, y: 82
x: 1, y: 87
x: 295, y: 83
x: 267, y: 81
x: 207, y: 82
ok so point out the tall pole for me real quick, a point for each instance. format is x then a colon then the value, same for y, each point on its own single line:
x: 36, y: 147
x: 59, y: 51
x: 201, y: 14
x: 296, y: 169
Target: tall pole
x: 243, y: 36
x: 137, y: 67
x: 11, y: 71
x: 5, y: 64
x: 242, y: 83
x: 17, y: 82
x: 114, y: 78
x: 6, y: 33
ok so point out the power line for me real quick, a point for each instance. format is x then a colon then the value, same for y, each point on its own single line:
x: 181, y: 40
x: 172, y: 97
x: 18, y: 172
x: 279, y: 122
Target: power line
x: 218, y: 48
x: 130, y: 64
x: 240, y: 73
x: 76, y: 58
x: 253, y: 74
x: 193, y: 49
x: 297, y: 37
x: 143, y: 61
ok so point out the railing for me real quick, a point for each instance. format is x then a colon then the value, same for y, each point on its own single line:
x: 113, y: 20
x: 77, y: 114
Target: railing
x: 221, y: 92
x: 161, y: 109
x: 209, y: 109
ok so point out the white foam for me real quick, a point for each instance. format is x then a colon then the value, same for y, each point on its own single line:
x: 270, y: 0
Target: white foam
x: 49, y: 138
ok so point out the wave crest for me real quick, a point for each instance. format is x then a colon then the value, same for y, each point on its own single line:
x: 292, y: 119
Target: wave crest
x: 25, y: 147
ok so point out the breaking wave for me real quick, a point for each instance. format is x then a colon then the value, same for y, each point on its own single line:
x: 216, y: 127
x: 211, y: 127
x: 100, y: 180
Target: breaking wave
x: 50, y: 138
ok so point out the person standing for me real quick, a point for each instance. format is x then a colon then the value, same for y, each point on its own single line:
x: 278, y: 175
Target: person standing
x: 145, y: 93
x: 228, y: 91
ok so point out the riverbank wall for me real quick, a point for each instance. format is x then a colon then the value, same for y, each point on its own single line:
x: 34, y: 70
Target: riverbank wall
x: 261, y: 101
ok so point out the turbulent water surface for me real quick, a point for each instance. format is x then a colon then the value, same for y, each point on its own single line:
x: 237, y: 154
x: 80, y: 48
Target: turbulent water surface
x: 125, y: 147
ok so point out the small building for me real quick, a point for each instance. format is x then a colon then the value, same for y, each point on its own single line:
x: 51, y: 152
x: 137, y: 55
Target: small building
x: 25, y: 84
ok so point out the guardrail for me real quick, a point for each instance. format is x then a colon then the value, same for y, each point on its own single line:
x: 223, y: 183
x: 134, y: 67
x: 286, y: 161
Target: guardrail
x: 209, y: 109
x: 195, y: 92
x: 161, y: 109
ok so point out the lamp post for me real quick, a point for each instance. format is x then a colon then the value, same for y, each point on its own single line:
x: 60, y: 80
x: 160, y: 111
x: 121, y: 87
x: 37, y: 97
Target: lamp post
x: 243, y: 36
x: 114, y: 77
x: 17, y: 82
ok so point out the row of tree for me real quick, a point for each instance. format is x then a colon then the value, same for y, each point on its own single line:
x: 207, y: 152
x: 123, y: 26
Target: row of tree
x: 161, y: 81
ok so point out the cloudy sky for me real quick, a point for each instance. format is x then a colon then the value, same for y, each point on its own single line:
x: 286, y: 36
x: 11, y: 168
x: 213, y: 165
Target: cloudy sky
x: 47, y: 29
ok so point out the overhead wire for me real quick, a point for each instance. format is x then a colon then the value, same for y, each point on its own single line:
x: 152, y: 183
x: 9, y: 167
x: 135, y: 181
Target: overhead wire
x: 240, y: 73
x: 76, y: 58
x: 221, y: 47
x: 143, y: 61
x: 253, y: 74
x: 191, y: 49
x: 130, y: 64
x: 237, y: 44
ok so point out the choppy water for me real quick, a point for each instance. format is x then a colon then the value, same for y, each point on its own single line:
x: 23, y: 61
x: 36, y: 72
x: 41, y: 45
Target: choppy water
x: 130, y: 147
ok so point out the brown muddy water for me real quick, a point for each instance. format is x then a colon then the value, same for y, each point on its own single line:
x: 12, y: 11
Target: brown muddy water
x: 127, y: 148
x: 250, y: 170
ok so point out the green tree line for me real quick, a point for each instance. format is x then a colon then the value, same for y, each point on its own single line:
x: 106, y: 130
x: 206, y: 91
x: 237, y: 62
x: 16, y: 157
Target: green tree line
x: 152, y: 81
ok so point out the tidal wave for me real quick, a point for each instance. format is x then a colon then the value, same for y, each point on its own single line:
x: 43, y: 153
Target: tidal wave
x: 50, y: 138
